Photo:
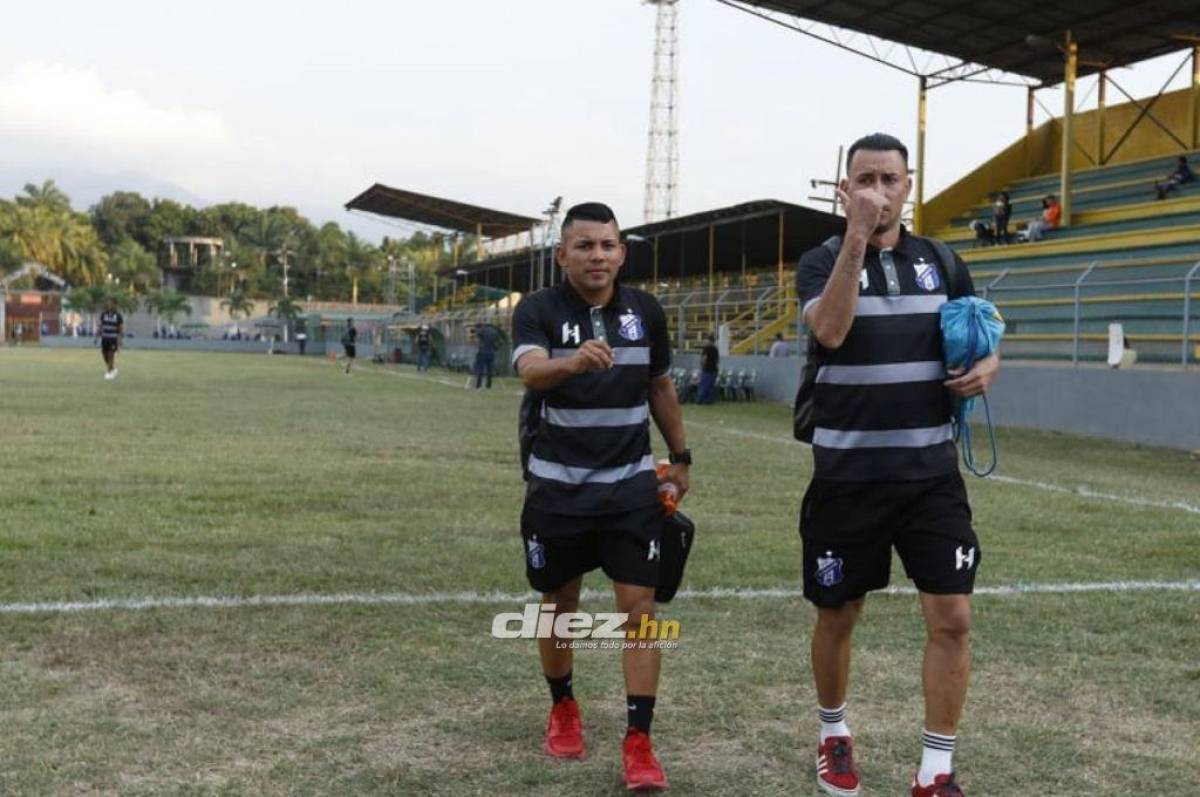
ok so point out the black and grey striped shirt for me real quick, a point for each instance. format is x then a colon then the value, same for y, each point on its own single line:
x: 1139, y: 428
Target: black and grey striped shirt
x: 880, y: 408
x: 592, y: 451
x: 110, y: 325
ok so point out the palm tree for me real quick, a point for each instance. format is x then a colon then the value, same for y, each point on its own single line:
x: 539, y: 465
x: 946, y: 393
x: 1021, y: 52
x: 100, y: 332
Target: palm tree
x: 238, y: 304
x: 168, y: 305
x: 287, y: 310
x: 360, y: 257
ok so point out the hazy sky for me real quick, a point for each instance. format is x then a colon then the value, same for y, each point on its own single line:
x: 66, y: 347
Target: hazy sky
x: 505, y: 104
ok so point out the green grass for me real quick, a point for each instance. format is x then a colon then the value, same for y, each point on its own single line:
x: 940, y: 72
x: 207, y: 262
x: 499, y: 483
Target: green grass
x: 241, y: 475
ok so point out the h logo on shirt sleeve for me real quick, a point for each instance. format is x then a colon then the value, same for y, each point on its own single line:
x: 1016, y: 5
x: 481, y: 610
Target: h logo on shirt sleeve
x: 570, y: 333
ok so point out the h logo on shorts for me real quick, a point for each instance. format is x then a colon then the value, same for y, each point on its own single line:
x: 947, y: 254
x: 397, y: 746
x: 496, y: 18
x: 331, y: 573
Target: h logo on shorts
x: 653, y: 554
x: 967, y: 558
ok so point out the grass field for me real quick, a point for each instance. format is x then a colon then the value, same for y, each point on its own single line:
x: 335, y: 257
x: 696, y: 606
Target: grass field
x: 240, y: 475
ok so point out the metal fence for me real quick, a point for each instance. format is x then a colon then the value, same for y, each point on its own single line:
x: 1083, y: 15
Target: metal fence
x: 1080, y: 285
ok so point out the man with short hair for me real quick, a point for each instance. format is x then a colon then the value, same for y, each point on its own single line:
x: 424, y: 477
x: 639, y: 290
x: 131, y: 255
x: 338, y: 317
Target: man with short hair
x: 112, y: 329
x: 885, y: 465
x: 598, y: 353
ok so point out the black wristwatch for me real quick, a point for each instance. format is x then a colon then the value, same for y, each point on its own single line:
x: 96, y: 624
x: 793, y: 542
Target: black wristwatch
x: 684, y: 457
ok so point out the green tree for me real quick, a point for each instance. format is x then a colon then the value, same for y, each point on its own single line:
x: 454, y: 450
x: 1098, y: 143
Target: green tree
x: 238, y: 304
x: 134, y: 266
x: 123, y: 216
x: 41, y: 226
x: 168, y: 305
x: 287, y: 310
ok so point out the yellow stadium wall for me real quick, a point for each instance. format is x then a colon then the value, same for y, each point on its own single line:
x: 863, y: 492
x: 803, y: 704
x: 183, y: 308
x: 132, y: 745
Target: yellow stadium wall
x: 1039, y: 153
x: 1015, y: 162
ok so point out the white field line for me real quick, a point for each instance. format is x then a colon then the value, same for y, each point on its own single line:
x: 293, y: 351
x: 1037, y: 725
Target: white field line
x: 1079, y: 492
x: 501, y: 598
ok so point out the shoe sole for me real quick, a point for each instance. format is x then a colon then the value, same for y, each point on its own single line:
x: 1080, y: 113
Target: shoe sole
x: 835, y: 791
x: 655, y: 786
x: 570, y: 756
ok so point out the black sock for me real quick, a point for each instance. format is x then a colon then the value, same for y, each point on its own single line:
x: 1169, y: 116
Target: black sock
x: 560, y: 688
x: 640, y: 710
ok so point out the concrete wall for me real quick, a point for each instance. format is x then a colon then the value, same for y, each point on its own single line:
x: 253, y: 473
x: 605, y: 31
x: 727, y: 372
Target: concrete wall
x: 1151, y: 406
x: 364, y: 351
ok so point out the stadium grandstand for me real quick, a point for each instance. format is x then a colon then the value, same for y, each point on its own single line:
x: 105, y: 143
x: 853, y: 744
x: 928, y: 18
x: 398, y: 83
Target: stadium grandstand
x: 1120, y: 256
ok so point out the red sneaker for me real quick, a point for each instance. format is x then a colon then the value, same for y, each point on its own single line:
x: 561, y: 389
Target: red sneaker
x: 942, y: 786
x: 564, y: 731
x: 835, y: 767
x: 642, y: 770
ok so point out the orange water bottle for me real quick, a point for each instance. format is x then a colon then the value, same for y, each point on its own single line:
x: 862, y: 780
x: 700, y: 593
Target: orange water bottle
x: 668, y: 493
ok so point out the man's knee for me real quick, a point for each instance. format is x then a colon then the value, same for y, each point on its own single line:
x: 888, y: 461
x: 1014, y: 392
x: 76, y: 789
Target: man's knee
x: 839, y: 622
x: 565, y: 598
x: 949, y: 618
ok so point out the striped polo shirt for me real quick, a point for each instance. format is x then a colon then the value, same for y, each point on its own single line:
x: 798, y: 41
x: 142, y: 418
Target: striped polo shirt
x: 110, y: 325
x: 880, y: 409
x: 592, y: 450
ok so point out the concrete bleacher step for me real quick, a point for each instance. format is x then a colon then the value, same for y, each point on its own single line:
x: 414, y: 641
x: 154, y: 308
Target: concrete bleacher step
x: 1104, y: 197
x: 1139, y: 168
x: 1164, y: 222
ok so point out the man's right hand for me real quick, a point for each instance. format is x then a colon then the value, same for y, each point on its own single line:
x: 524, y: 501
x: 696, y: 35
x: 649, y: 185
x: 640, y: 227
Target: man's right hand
x: 864, y: 209
x: 593, y: 355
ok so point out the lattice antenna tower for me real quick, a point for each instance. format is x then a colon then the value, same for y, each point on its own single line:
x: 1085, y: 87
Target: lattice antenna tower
x: 662, y: 153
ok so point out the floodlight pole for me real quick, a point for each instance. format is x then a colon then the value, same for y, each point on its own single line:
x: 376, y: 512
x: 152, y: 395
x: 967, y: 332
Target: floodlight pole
x: 1101, y: 108
x: 922, y: 107
x: 1194, y: 101
x: 1071, y: 50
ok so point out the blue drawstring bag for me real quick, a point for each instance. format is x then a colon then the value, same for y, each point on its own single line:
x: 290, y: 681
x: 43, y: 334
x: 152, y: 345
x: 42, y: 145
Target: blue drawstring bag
x: 971, y: 330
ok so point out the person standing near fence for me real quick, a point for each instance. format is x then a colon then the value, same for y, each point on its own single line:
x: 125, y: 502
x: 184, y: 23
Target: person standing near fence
x: 710, y: 360
x: 424, y: 347
x: 486, y: 339
x: 350, y: 343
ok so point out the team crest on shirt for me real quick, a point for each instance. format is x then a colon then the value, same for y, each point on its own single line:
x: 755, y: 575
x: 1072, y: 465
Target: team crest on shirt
x: 537, y: 554
x: 829, y: 570
x: 631, y: 326
x: 927, y: 275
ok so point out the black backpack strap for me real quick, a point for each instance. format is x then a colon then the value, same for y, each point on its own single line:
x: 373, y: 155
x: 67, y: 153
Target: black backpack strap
x: 955, y: 284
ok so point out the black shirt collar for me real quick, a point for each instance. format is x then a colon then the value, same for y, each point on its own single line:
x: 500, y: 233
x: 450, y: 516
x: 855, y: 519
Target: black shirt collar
x: 902, y: 245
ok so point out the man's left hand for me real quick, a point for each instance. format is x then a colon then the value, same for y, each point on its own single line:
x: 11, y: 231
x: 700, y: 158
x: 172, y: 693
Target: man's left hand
x: 679, y: 475
x: 976, y: 381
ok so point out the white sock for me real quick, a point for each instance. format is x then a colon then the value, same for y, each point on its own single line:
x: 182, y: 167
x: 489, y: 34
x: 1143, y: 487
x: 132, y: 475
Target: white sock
x: 833, y: 722
x: 937, y: 755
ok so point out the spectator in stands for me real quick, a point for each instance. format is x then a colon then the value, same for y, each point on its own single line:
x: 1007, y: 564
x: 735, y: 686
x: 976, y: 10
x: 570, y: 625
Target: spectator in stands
x: 1001, y: 213
x: 984, y: 235
x: 1182, y: 174
x: 779, y: 347
x: 710, y: 359
x: 1051, y: 215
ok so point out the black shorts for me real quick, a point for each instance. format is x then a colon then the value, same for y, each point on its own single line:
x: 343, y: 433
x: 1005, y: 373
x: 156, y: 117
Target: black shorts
x: 558, y: 548
x: 350, y: 351
x: 108, y: 345
x: 848, y: 530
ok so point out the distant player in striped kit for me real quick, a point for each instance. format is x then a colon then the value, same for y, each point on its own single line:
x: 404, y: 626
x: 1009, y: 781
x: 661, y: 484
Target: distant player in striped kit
x: 599, y: 354
x: 110, y: 331
x: 885, y: 466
